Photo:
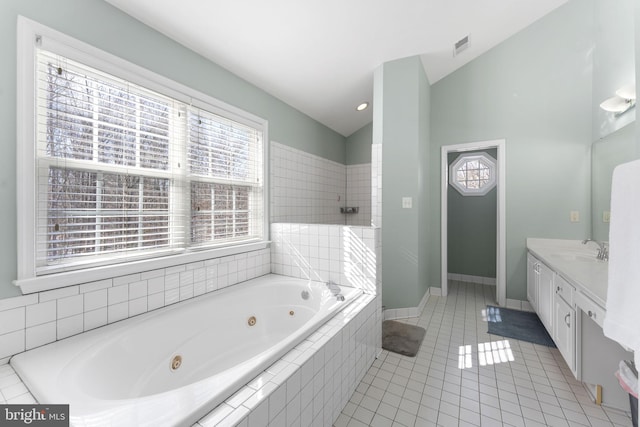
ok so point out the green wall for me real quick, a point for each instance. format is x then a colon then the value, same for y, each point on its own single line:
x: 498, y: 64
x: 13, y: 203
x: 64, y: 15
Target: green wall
x: 358, y: 146
x: 471, y: 229
x: 533, y: 90
x: 401, y: 120
x: 636, y: 15
x: 613, y: 61
x: 424, y: 200
x: 101, y: 25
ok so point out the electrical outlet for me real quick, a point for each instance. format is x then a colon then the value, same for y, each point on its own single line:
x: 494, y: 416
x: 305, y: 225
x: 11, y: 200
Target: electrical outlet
x: 575, y: 216
x: 407, y: 203
x: 606, y: 216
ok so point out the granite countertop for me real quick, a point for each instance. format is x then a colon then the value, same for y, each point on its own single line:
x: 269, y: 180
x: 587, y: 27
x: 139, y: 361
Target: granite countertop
x: 576, y: 263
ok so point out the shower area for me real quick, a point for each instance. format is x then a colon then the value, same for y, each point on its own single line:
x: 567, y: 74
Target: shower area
x: 321, y: 220
x: 312, y: 190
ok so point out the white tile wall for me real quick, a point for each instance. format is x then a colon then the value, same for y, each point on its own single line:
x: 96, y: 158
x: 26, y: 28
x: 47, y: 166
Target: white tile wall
x: 359, y: 194
x: 310, y: 189
x: 305, y: 188
x: 344, y: 254
x: 33, y: 320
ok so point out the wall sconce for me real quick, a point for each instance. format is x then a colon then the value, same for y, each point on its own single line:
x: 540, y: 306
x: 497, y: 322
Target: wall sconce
x: 624, y: 100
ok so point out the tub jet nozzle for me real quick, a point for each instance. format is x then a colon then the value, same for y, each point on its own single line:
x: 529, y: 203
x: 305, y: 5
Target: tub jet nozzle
x: 176, y: 362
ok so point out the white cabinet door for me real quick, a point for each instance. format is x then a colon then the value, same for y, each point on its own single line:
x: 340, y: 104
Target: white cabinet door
x: 533, y: 278
x: 564, y: 318
x: 545, y: 297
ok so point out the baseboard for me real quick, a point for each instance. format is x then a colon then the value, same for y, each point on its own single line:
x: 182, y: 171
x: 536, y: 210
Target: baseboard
x: 404, y: 313
x: 472, y: 279
x: 516, y: 304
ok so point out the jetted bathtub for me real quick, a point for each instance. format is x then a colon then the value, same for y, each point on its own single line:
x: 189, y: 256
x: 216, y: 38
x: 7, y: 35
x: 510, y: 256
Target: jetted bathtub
x: 173, y: 365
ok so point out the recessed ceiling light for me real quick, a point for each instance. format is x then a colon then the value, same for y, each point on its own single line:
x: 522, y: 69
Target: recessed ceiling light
x: 362, y: 106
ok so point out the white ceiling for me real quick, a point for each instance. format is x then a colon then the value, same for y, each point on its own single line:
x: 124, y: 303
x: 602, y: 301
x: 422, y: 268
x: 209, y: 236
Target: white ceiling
x: 319, y: 55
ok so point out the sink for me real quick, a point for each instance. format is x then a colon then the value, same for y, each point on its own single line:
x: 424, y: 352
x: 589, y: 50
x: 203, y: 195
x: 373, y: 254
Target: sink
x: 576, y: 256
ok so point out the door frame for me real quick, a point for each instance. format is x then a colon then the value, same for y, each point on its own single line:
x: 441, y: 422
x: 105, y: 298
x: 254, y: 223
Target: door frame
x: 501, y: 241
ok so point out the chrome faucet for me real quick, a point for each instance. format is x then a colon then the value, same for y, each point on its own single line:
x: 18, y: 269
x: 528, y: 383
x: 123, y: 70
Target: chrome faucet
x: 603, y: 250
x: 335, y: 290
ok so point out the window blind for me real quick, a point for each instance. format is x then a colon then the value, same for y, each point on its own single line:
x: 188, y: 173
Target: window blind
x: 119, y: 167
x: 226, y: 171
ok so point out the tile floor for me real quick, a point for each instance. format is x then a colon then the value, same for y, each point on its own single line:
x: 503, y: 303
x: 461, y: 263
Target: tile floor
x: 535, y: 388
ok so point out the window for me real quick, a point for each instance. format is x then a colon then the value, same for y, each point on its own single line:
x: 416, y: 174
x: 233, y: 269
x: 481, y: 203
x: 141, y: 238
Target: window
x: 473, y: 174
x: 128, y: 169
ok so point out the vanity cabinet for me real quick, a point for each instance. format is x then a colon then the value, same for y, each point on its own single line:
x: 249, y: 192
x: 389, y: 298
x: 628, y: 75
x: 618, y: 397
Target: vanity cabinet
x: 545, y: 296
x: 540, y: 290
x: 552, y: 299
x: 564, y: 322
x: 567, y: 287
x: 533, y: 280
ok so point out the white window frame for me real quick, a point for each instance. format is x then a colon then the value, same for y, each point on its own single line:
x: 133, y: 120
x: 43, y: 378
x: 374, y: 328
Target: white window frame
x: 28, y: 32
x: 463, y: 158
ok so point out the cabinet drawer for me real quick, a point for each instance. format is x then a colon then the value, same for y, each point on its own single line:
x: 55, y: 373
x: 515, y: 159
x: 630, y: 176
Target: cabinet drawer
x: 590, y: 308
x: 564, y: 289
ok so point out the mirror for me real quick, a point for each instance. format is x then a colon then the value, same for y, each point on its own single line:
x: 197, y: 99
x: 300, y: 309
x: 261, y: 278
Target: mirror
x: 614, y: 135
x: 607, y: 153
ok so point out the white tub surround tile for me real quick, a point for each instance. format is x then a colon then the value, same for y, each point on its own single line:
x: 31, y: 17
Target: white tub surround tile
x: 137, y: 306
x: 96, y: 286
x: 58, y: 293
x: 343, y: 254
x: 40, y: 335
x: 12, y: 331
x: 70, y: 326
x: 12, y: 343
x: 95, y: 318
x: 117, y: 294
x: 12, y: 320
x: 155, y: 285
x: 40, y: 318
x: 15, y: 302
x: 155, y: 301
x: 95, y: 299
x: 70, y: 306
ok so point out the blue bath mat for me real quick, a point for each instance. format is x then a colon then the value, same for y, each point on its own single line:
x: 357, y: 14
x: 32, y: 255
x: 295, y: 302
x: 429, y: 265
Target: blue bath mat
x: 520, y: 325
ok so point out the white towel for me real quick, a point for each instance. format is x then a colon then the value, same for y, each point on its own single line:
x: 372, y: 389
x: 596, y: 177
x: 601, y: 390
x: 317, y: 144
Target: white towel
x: 622, y: 321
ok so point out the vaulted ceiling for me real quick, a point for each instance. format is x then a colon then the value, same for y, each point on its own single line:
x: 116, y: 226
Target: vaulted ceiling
x: 319, y: 55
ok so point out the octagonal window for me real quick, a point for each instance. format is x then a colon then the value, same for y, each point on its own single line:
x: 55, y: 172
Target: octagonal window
x: 473, y: 174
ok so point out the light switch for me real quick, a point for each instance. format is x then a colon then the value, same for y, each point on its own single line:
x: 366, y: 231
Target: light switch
x: 407, y: 202
x: 606, y: 216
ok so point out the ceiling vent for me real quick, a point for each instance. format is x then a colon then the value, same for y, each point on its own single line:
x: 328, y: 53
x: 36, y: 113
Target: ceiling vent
x: 461, y: 45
